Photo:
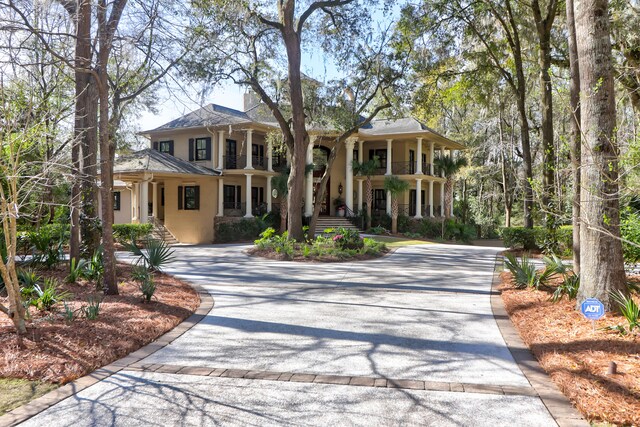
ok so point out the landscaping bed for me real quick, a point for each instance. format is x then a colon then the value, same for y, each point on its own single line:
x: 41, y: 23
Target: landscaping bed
x: 339, y: 245
x: 57, y: 350
x: 576, y: 357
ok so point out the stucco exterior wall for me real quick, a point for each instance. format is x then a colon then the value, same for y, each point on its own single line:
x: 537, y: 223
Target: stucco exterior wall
x: 123, y: 216
x: 191, y: 226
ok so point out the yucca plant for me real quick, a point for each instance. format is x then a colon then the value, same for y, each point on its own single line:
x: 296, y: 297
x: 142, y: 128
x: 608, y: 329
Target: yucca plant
x: 92, y: 310
x: 568, y: 287
x: 628, y: 308
x: 76, y: 270
x: 49, y: 294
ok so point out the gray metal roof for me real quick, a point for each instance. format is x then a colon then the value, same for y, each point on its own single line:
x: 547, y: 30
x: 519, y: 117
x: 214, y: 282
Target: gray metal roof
x: 153, y: 161
x: 209, y: 115
x: 395, y: 126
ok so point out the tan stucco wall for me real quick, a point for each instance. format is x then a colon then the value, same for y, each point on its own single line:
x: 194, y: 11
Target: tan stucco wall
x: 186, y: 225
x: 123, y: 216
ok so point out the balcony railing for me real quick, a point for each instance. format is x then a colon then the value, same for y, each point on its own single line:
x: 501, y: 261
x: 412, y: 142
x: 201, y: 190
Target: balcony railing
x: 257, y: 162
x: 235, y: 162
x: 403, y: 168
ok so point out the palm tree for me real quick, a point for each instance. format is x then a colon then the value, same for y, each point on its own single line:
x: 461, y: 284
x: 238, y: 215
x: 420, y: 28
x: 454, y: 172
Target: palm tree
x: 367, y: 169
x: 395, y: 186
x: 450, y: 167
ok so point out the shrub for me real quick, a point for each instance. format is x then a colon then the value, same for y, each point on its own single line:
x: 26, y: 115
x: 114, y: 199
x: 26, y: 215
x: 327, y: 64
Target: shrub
x: 381, y: 220
x: 404, y: 223
x: 457, y: 231
x: 47, y: 245
x: 348, y: 239
x: 123, y: 233
x: 629, y: 309
x: 154, y: 255
x: 519, y: 238
x: 568, y: 287
x: 372, y: 246
x: 630, y: 230
x: 94, y: 268
x: 76, y: 270
x: 523, y: 271
x: 377, y: 230
x: 243, y: 230
x: 147, y: 287
x: 49, y: 295
x: 430, y: 228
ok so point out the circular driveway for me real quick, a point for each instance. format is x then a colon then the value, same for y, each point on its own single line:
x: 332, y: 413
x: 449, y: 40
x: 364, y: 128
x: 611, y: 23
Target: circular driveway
x: 421, y: 315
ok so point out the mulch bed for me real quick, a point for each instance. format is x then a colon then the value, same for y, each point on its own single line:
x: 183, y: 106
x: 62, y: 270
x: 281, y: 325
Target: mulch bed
x: 58, y: 351
x: 271, y: 254
x: 576, y: 357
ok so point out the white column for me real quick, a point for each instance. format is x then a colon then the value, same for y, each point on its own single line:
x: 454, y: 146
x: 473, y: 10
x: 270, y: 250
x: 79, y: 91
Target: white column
x: 360, y: 195
x: 442, y: 198
x: 248, y: 149
x: 220, y: 197
x: 154, y: 200
x: 418, y: 198
x: 431, y: 147
x: 441, y: 156
x: 135, y: 205
x: 308, y: 189
x: 269, y: 201
x: 389, y: 159
x: 431, y: 199
x: 213, y: 150
x: 388, y: 202
x: 360, y: 151
x: 221, y: 147
x: 248, y: 206
x: 349, y: 174
x: 270, y: 156
x: 419, y: 159
x: 144, y: 202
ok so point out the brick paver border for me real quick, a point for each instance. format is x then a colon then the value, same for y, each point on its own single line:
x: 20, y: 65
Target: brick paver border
x: 38, y: 405
x: 356, y: 381
x: 557, y: 403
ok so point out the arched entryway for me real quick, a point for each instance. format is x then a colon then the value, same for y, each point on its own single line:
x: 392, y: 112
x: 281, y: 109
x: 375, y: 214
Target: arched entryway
x: 320, y: 159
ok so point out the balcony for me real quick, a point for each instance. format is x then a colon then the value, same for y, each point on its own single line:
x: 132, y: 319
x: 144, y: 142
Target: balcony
x: 403, y: 168
x: 257, y: 162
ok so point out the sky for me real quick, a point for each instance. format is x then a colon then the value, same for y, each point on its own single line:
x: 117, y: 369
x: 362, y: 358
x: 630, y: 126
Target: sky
x: 175, y: 103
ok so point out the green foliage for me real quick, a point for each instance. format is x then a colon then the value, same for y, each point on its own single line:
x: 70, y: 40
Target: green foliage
x: 367, y: 168
x: 429, y: 228
x: 68, y: 313
x: 559, y: 241
x: 395, y: 185
x: 629, y: 309
x: 378, y: 230
x: 154, y: 255
x: 348, y: 239
x: 47, y: 243
x: 76, y: 270
x: 94, y: 268
x: 569, y: 287
x: 124, y: 233
x: 449, y: 165
x: 281, y: 244
x: 147, y: 287
x: 92, y: 309
x: 519, y: 238
x: 523, y: 271
x: 243, y: 230
x: 630, y: 230
x: 49, y: 294
x: 458, y: 231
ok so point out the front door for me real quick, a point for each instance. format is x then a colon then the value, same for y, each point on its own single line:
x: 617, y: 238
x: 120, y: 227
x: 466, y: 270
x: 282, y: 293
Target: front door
x: 232, y: 155
x: 320, y: 157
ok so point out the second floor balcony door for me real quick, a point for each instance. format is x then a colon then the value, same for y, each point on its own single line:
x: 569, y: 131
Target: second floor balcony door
x: 232, y: 154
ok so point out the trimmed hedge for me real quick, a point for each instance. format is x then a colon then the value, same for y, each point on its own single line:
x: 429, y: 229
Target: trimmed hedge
x: 242, y: 230
x: 630, y: 229
x: 128, y: 232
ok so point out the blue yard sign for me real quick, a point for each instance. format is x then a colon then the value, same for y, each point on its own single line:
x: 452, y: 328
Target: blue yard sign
x: 592, y: 309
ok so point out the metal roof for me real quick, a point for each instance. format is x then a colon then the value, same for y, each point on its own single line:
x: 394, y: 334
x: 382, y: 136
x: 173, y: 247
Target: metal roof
x: 153, y: 161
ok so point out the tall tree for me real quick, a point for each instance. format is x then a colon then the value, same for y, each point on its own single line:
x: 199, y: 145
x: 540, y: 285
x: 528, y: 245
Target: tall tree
x: 544, y: 24
x: 574, y: 101
x: 602, y: 265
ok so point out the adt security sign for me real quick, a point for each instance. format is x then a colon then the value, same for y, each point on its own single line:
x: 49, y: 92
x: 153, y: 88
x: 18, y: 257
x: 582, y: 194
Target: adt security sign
x: 592, y: 309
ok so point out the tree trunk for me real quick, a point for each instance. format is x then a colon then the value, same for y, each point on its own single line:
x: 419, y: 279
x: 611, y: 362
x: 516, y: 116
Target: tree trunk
x: 82, y: 78
x: 394, y: 215
x: 574, y: 90
x: 543, y: 27
x: 602, y: 265
x: 448, y: 197
x: 283, y: 215
x: 369, y: 201
x: 300, y: 136
x: 107, y: 152
x: 89, y: 221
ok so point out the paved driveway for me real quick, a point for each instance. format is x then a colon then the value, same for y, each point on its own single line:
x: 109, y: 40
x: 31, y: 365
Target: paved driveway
x: 420, y: 318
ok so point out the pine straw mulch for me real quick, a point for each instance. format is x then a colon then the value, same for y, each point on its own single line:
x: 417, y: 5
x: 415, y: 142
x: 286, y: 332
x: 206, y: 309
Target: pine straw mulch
x: 58, y: 351
x: 577, y: 358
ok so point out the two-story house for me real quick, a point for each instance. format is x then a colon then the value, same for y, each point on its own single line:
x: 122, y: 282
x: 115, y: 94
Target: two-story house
x: 218, y: 162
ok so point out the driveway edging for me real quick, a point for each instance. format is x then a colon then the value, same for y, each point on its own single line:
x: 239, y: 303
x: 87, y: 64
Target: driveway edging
x: 558, y: 405
x: 30, y: 409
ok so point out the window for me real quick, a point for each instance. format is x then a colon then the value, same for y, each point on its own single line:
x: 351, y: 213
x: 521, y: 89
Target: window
x: 257, y: 152
x: 231, y: 196
x: 199, y: 149
x: 379, y: 200
x: 164, y: 147
x: 382, y: 156
x: 116, y: 200
x: 189, y: 197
